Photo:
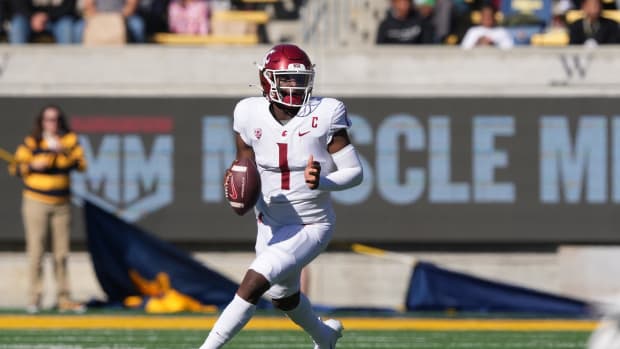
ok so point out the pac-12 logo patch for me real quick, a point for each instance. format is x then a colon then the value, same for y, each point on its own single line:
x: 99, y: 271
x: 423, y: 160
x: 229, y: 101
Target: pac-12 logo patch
x: 130, y: 163
x: 258, y: 133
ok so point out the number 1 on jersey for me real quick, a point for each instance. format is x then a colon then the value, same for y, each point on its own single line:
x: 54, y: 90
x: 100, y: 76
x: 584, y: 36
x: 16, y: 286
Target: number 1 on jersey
x: 283, y: 164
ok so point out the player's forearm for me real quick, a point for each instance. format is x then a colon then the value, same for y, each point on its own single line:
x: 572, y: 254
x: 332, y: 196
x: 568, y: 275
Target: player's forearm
x: 349, y: 173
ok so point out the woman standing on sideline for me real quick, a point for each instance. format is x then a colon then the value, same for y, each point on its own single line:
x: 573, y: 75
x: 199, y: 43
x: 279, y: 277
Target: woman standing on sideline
x: 44, y: 161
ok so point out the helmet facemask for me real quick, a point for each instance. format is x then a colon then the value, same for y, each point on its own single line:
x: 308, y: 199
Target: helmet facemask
x: 291, y: 87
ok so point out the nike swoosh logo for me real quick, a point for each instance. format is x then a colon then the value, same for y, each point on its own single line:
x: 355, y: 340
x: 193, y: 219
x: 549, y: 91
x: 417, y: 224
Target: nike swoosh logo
x: 301, y: 134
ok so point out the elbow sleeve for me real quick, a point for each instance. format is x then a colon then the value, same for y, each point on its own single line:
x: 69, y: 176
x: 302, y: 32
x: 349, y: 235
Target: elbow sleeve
x: 349, y: 171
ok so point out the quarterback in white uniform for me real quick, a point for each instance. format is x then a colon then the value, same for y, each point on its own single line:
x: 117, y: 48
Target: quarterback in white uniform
x: 302, y: 151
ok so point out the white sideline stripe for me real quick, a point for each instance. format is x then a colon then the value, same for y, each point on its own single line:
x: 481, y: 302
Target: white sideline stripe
x: 239, y: 168
x: 236, y: 204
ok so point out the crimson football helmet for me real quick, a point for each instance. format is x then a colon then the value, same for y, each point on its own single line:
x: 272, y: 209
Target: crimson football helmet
x: 287, y: 75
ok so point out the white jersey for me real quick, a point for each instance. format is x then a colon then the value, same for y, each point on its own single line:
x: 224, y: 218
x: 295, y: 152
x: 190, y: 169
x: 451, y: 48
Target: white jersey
x: 282, y: 153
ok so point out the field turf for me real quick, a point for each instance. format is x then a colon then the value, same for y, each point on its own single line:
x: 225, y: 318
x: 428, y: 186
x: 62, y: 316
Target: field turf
x: 132, y: 332
x: 162, y: 339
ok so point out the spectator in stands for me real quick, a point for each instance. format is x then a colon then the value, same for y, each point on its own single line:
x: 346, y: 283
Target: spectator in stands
x: 188, y: 17
x: 30, y: 16
x: 404, y: 26
x: 44, y: 161
x: 593, y: 29
x: 2, y: 16
x: 487, y: 33
x: 155, y: 15
x: 441, y: 17
x: 606, y: 4
x: 557, y: 24
x: 128, y: 8
x: 426, y: 12
x: 289, y: 9
x: 460, y: 14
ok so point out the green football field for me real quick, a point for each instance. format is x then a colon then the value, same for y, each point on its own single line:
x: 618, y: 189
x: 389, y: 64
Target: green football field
x: 252, y: 339
x: 127, y: 330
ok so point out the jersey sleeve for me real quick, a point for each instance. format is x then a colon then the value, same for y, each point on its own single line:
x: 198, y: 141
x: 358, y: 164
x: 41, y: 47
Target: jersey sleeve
x: 73, y: 154
x: 23, y: 157
x: 340, y: 120
x: 240, y: 116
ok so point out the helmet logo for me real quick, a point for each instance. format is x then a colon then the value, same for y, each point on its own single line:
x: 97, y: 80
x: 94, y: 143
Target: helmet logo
x: 296, y: 66
x: 268, y: 57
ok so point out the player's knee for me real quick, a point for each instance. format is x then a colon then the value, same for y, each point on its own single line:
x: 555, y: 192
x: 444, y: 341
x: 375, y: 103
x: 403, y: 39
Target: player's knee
x: 253, y: 286
x: 286, y: 303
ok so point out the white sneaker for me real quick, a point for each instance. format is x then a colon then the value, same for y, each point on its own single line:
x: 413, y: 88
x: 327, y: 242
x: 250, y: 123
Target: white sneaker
x: 335, y: 333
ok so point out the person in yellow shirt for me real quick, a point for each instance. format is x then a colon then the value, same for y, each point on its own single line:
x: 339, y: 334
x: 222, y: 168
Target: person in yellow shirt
x: 45, y: 161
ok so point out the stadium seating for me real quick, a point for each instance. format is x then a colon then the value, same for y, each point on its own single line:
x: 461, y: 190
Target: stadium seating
x: 346, y: 23
x: 574, y: 15
x: 188, y: 39
x: 553, y: 38
x: 228, y: 27
x: 559, y: 38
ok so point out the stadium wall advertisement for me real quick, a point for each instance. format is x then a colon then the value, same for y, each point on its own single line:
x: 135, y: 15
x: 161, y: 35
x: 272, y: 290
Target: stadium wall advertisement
x: 437, y: 170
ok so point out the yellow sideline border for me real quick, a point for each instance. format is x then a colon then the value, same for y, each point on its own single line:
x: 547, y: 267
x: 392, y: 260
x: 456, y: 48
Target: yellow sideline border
x: 273, y: 323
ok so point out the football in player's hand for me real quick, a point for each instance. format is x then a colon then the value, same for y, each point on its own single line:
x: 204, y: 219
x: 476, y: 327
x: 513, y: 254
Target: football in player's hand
x: 242, y: 186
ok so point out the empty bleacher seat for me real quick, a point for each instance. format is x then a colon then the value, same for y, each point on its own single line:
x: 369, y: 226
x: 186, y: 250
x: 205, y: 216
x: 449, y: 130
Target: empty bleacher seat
x: 553, y: 38
x: 237, y: 22
x: 227, y: 28
x: 188, y: 39
x: 575, y: 15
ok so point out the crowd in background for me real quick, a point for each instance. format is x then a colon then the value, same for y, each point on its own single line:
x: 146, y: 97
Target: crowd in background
x: 64, y: 20
x: 451, y: 21
x: 469, y: 23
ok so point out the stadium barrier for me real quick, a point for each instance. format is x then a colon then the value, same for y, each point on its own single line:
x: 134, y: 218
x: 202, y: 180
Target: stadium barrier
x: 477, y: 147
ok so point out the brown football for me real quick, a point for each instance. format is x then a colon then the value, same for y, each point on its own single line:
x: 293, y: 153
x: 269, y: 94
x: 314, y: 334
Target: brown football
x: 242, y: 187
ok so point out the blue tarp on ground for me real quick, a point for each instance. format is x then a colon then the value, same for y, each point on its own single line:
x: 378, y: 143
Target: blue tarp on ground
x: 436, y: 289
x: 116, y: 247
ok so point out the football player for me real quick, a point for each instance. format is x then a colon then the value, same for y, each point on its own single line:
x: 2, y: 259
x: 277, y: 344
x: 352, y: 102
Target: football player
x: 303, y: 152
